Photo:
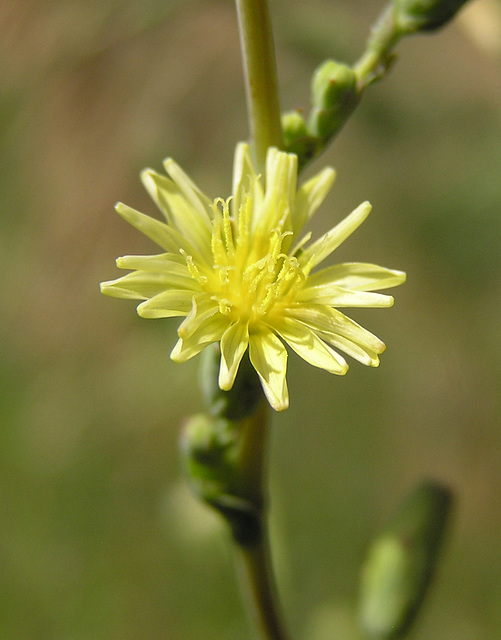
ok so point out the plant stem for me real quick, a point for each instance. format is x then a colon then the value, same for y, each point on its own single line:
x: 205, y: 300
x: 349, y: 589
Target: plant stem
x: 377, y: 58
x: 263, y: 106
x: 253, y: 554
x: 256, y: 576
x: 260, y: 77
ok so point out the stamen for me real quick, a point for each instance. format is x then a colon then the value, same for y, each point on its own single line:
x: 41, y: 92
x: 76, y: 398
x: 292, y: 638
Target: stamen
x: 254, y: 270
x: 228, y: 231
x: 224, y: 277
x: 244, y: 218
x: 243, y: 232
x: 192, y: 268
x: 267, y: 300
x: 225, y: 305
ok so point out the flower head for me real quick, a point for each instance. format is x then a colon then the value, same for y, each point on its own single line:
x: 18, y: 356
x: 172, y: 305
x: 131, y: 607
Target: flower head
x: 238, y: 273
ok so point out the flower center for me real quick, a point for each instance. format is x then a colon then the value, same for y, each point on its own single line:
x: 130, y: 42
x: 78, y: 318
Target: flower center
x: 250, y: 273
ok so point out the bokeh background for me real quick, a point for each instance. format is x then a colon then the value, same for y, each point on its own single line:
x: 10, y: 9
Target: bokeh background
x: 99, y: 537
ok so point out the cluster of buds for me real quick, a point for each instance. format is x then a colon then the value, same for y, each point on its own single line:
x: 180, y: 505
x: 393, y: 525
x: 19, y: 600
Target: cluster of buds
x: 337, y: 88
x: 334, y: 96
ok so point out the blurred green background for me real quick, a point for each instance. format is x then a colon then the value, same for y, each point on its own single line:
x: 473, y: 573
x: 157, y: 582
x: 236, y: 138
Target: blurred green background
x: 99, y: 537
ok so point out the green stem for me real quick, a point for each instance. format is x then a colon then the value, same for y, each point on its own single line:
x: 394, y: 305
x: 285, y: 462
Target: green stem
x: 260, y: 77
x: 253, y: 554
x: 256, y: 576
x: 378, y: 57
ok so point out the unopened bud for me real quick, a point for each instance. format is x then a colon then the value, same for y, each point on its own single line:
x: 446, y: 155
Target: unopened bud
x: 221, y: 471
x: 297, y: 139
x: 204, y: 445
x: 401, y: 562
x: 424, y: 15
x: 334, y: 96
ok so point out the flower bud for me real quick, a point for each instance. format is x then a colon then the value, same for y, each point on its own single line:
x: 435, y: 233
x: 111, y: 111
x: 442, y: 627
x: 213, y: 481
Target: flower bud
x: 401, y: 562
x: 222, y: 466
x: 297, y: 139
x: 334, y: 96
x: 205, y: 443
x: 424, y: 15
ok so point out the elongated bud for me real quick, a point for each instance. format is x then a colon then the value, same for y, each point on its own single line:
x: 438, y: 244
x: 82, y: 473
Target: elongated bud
x: 334, y: 96
x: 297, y: 139
x: 424, y: 15
x: 401, y: 562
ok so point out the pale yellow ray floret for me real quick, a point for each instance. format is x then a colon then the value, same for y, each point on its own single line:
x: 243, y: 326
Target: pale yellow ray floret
x: 240, y: 274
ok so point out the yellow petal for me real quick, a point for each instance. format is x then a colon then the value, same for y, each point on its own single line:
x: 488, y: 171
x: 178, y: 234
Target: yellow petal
x: 180, y: 212
x: 325, y: 245
x: 168, y: 304
x: 359, y: 276
x: 309, y: 346
x: 193, y: 195
x: 335, y: 296
x: 139, y: 285
x: 203, y: 309
x: 207, y: 333
x: 245, y: 179
x: 233, y: 346
x: 362, y: 354
x: 281, y: 183
x: 326, y: 320
x: 269, y: 358
x: 158, y: 262
x: 310, y: 196
x: 157, y: 231
x: 160, y: 270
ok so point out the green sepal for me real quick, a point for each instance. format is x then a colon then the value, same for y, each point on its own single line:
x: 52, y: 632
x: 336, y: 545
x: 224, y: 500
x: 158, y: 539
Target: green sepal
x: 401, y: 562
x: 424, y: 15
x: 334, y: 96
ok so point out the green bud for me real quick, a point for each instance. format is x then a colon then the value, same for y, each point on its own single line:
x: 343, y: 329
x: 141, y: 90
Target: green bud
x: 294, y: 126
x: 401, y: 562
x: 334, y: 97
x: 222, y: 471
x: 412, y: 16
x: 243, y: 399
x: 205, y: 442
x: 297, y: 138
x: 205, y: 439
x: 332, y: 81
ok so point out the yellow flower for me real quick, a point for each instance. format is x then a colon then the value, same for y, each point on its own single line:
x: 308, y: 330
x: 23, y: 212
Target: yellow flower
x: 236, y: 270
